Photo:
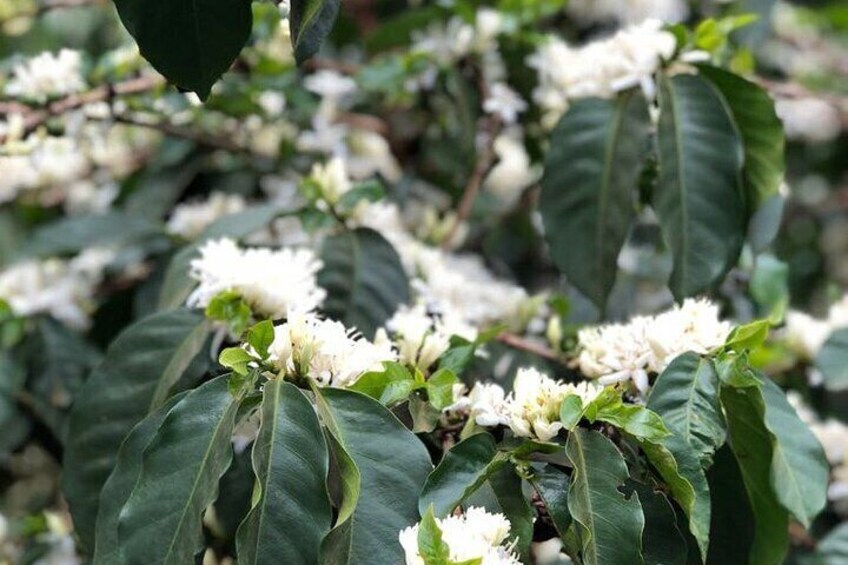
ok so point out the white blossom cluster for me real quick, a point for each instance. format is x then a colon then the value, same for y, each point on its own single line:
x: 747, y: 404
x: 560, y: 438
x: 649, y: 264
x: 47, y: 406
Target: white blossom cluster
x: 47, y: 75
x: 805, y: 335
x: 325, y: 350
x: 449, y: 283
x: 475, y: 536
x: 63, y: 289
x: 190, y: 219
x: 274, y: 283
x: 809, y: 119
x: 601, y: 68
x: 620, y: 352
x: 531, y: 410
x: 833, y: 436
x: 421, y: 338
x: 627, y: 11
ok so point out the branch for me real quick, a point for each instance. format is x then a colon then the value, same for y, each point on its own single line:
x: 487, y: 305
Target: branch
x: 518, y: 342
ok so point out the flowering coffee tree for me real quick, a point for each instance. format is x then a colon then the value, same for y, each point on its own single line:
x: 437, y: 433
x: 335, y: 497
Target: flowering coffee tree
x: 314, y: 283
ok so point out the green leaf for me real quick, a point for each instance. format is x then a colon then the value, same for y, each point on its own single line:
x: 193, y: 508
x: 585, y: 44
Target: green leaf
x: 832, y: 361
x: 236, y: 358
x: 610, y: 525
x: 390, y: 463
x: 571, y: 411
x: 432, y: 549
x: 551, y: 484
x: 698, y: 198
x: 368, y: 191
x: 748, y: 336
x: 260, y: 337
x: 587, y: 199
x: 799, y: 469
x: 180, y: 469
x: 832, y: 549
x: 732, y: 521
x: 661, y: 540
x: 311, y: 23
x: 191, y: 42
x: 686, y: 397
x: 290, y: 458
x: 14, y: 424
x: 752, y: 443
x: 391, y: 385
x: 117, y: 489
x: 508, y: 491
x: 762, y: 132
x: 464, y: 468
x: 78, y: 233
x: 364, y: 279
x: 638, y: 421
x: 677, y: 464
x: 440, y: 388
x: 141, y: 367
x: 230, y: 307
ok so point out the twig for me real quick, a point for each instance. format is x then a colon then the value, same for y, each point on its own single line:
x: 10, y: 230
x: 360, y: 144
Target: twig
x: 36, y: 116
x: 485, y: 159
x: 518, y: 342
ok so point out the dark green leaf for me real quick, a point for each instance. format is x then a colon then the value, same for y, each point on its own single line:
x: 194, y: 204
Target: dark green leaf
x: 462, y: 470
x: 832, y: 361
x: 364, y: 279
x: 191, y: 42
x: 686, y: 397
x: 140, y: 368
x: 290, y: 459
x: 610, y: 525
x: 551, y: 484
x: 698, y: 199
x: 311, y: 22
x: 587, y: 199
x: 732, y: 521
x: 390, y: 464
x: 662, y: 541
x: 180, y: 470
x: 507, y: 488
x: 832, y: 549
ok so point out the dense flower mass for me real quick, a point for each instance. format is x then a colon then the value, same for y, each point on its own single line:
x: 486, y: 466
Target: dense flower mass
x: 421, y: 338
x: 60, y: 288
x: 805, y: 334
x: 475, y: 536
x: 619, y: 352
x: 47, y: 75
x: 325, y: 350
x: 274, y: 283
x: 601, y: 68
x: 190, y: 219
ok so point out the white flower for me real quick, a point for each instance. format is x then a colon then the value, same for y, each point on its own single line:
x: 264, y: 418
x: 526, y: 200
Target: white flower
x: 487, y: 405
x: 47, y: 75
x: 628, y: 11
x: 513, y: 172
x: 444, y: 43
x: 16, y: 174
x: 421, y: 339
x: 332, y: 179
x: 325, y: 350
x: 505, y: 103
x: 273, y: 283
x: 805, y: 335
x: 190, y: 219
x: 809, y: 119
x: 330, y: 84
x: 694, y: 326
x: 475, y: 535
x: 60, y: 288
x: 601, y: 68
x: 535, y: 402
x: 272, y: 102
x: 369, y: 153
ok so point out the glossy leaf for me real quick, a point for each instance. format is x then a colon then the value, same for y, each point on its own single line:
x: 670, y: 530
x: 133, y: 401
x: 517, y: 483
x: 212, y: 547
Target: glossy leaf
x: 180, y: 470
x: 140, y: 369
x: 588, y: 190
x: 698, y: 198
x: 686, y: 396
x: 290, y: 458
x: 551, y: 484
x: 390, y: 465
x: 311, y: 22
x: 832, y: 361
x: 464, y: 468
x: 610, y: 525
x: 661, y: 540
x: 191, y: 42
x: 364, y: 279
x: 390, y: 386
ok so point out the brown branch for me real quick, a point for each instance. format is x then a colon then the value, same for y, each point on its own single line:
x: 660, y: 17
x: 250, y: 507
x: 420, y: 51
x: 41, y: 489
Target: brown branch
x: 518, y: 342
x: 36, y: 116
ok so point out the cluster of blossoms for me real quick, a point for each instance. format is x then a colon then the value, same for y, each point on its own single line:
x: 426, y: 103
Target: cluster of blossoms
x: 47, y: 75
x: 531, y: 410
x: 805, y: 335
x: 325, y: 350
x: 833, y: 436
x: 809, y: 119
x: 274, y: 283
x: 627, y: 11
x: 190, y: 219
x: 620, y: 352
x: 422, y: 338
x: 63, y: 289
x: 601, y: 68
x: 476, y: 536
